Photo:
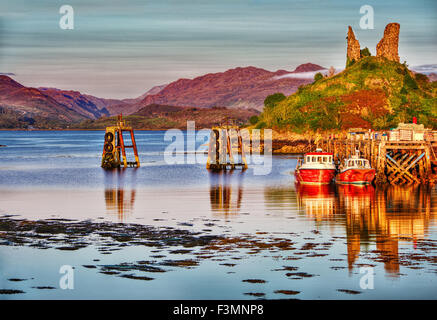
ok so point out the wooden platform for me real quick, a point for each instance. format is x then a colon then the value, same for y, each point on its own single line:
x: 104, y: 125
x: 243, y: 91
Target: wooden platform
x: 396, y: 162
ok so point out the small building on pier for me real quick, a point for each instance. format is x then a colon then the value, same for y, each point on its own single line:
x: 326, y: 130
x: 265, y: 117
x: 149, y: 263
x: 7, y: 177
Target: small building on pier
x: 358, y: 134
x: 408, y: 132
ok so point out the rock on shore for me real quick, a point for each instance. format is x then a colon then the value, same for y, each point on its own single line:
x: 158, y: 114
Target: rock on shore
x: 290, y: 143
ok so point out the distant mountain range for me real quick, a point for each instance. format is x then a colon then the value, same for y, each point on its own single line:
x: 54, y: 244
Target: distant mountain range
x: 235, y: 88
x: 30, y: 105
x: 82, y: 104
x: 238, y: 88
x: 161, y: 117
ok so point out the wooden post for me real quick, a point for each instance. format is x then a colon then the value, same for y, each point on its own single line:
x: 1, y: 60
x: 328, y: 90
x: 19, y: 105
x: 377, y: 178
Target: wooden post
x: 134, y: 145
x: 422, y: 169
x: 380, y: 173
x: 243, y: 154
x: 335, y: 152
x: 428, y: 169
x: 229, y: 148
x: 123, y: 150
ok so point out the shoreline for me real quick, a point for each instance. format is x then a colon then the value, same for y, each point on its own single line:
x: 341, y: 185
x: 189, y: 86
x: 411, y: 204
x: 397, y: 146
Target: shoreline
x: 283, y: 143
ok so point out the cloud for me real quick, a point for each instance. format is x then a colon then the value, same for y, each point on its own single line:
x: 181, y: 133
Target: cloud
x: 425, y: 68
x: 304, y: 75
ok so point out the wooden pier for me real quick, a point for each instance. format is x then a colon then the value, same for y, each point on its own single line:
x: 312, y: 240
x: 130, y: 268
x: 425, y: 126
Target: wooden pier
x: 396, y: 161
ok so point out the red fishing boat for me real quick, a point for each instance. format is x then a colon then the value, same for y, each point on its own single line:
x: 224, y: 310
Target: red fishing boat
x: 355, y: 170
x: 317, y: 168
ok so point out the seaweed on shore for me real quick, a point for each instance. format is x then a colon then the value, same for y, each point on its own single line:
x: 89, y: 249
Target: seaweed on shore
x: 254, y: 281
x: 10, y: 291
x: 349, y: 291
x: 287, y: 292
x: 71, y: 235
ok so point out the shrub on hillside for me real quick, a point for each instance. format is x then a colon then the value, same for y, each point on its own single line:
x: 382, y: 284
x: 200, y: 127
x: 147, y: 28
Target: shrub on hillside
x: 409, y: 82
x: 400, y: 70
x: 272, y: 100
x: 253, y: 120
x: 365, y: 52
x: 421, y: 78
x: 368, y: 66
x: 261, y: 125
x: 318, y: 76
x: 349, y: 63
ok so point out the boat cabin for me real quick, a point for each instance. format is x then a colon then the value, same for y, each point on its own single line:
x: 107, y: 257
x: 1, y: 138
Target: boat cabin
x: 318, y: 157
x: 357, y: 163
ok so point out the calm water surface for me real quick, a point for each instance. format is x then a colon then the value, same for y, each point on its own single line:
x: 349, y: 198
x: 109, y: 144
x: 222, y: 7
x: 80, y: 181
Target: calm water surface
x: 274, y: 240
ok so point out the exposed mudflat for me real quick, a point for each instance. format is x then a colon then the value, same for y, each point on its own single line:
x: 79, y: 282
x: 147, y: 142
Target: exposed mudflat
x: 169, y: 249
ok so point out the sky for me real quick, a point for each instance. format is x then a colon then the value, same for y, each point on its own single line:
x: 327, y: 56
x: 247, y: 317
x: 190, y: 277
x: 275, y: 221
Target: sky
x: 122, y: 48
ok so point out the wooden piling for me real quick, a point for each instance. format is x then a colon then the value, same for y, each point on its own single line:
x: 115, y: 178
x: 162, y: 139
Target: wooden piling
x: 114, y: 145
x: 221, y: 149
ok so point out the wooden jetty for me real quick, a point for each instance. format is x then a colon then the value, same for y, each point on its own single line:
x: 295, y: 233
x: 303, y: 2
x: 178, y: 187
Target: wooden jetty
x: 406, y: 155
x: 114, y: 145
x: 226, y: 149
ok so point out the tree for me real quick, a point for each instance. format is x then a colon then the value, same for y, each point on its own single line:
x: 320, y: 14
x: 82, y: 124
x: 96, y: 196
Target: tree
x: 253, y: 120
x: 365, y: 52
x: 272, y: 100
x: 318, y: 77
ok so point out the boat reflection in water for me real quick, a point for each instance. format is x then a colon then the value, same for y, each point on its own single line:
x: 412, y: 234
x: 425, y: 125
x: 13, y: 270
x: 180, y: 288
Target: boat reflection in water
x: 226, y: 192
x: 386, y: 217
x: 318, y: 201
x: 119, y: 199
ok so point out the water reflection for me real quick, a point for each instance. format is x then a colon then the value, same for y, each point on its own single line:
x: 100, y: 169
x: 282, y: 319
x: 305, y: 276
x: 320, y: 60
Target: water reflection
x: 120, y: 192
x: 226, y: 192
x: 382, y: 216
x: 317, y: 201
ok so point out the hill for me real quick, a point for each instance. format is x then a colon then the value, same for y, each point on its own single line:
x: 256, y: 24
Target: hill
x: 23, y: 106
x: 160, y: 117
x: 372, y: 92
x: 235, y: 88
x: 52, y: 108
x: 130, y: 106
x: 76, y: 101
